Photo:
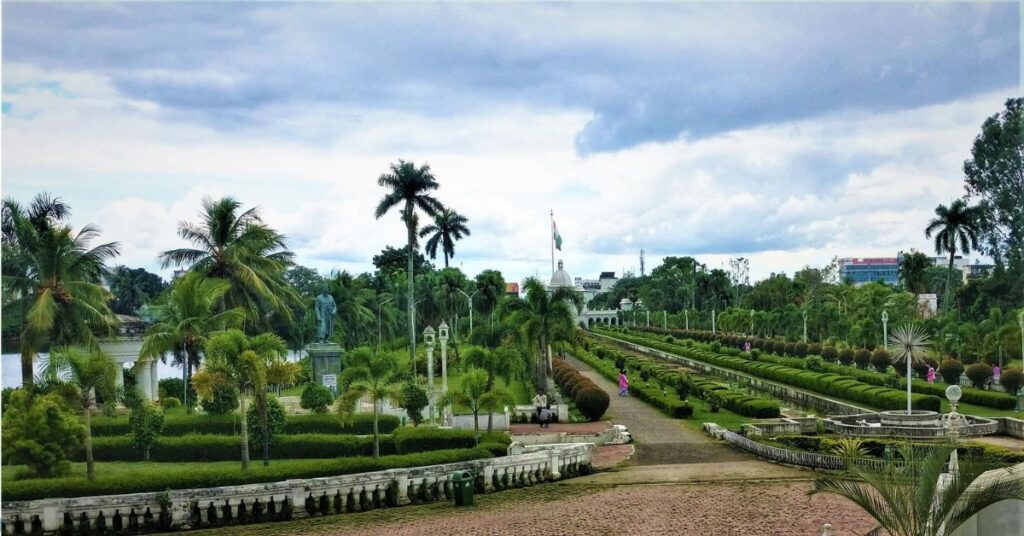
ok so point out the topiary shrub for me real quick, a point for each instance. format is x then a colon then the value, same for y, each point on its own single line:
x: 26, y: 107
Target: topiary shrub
x: 862, y: 357
x: 275, y: 421
x: 223, y: 402
x: 789, y: 348
x: 880, y: 360
x: 814, y: 349
x: 592, y: 402
x: 845, y: 356
x: 800, y: 349
x: 979, y: 374
x: 1012, y: 379
x: 146, y: 422
x: 316, y: 398
x: 716, y: 346
x: 170, y: 402
x: 414, y: 399
x: 815, y: 363
x: 950, y: 370
x: 829, y: 353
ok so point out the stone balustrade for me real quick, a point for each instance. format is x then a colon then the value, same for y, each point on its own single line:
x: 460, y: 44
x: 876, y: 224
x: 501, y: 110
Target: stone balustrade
x: 290, y: 499
x: 791, y: 457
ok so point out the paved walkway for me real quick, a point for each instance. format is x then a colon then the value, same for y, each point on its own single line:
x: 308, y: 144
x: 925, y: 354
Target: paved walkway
x: 659, y: 439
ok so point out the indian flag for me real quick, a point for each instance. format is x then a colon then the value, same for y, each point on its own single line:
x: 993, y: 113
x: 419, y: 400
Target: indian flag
x: 556, y: 236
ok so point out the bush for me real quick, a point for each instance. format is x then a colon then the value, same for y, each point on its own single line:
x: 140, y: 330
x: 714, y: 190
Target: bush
x: 40, y: 432
x: 815, y: 363
x: 171, y: 387
x: 921, y: 367
x: 862, y: 357
x: 224, y: 401
x: 170, y: 402
x: 800, y: 349
x: 845, y: 355
x: 147, y: 421
x: 880, y: 360
x: 979, y: 374
x: 1012, y: 379
x: 829, y: 353
x: 592, y: 402
x: 950, y: 370
x: 275, y: 421
x: 316, y: 398
x: 497, y: 449
x: 814, y: 349
x: 408, y: 440
x: 414, y: 399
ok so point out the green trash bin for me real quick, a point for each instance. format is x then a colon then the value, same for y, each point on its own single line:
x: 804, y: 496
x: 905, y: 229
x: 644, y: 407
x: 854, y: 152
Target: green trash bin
x: 463, y: 484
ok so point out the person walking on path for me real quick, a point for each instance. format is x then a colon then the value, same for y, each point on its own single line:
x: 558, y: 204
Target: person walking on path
x: 540, y: 401
x: 623, y: 384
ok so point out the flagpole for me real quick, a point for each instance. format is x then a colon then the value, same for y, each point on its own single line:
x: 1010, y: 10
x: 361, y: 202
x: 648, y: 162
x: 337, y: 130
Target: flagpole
x: 552, y: 233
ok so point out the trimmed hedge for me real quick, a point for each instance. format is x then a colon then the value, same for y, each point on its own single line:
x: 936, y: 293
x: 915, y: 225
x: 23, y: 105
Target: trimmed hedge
x: 407, y: 440
x: 673, y: 407
x: 360, y: 424
x: 590, y: 399
x: 160, y: 477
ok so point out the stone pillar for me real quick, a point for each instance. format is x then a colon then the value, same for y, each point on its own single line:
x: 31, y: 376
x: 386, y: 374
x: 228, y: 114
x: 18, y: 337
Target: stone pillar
x: 430, y: 382
x: 488, y: 478
x: 444, y: 367
x: 51, y: 517
x: 402, y: 481
x: 119, y: 379
x: 154, y: 378
x: 555, y: 473
x: 298, y: 500
x: 142, y: 380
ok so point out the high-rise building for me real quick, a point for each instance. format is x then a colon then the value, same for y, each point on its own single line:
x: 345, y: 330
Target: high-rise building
x: 866, y: 270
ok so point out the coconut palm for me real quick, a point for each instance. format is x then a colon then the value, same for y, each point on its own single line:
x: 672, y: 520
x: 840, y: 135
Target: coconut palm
x: 187, y: 315
x: 914, y: 272
x: 355, y: 302
x: 956, y: 229
x: 239, y: 248
x: 545, y: 317
x: 375, y: 377
x: 491, y: 286
x: 51, y: 279
x: 910, y: 344
x: 233, y: 360
x: 494, y: 400
x: 87, y: 373
x: 905, y: 496
x: 448, y: 227
x: 470, y: 393
x: 281, y: 373
x: 409, y: 187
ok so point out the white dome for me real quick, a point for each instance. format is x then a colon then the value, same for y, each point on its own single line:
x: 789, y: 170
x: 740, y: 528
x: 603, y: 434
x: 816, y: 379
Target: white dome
x: 560, y: 278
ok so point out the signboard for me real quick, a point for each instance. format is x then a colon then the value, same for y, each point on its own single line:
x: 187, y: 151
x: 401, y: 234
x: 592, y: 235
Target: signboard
x: 330, y: 380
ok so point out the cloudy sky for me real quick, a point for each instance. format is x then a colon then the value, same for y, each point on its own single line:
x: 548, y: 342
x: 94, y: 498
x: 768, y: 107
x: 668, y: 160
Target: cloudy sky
x: 786, y: 133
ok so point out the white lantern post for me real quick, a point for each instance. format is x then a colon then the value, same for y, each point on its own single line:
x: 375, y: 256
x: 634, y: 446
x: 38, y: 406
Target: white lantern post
x: 686, y: 313
x: 442, y: 335
x: 664, y: 319
x: 885, y: 332
x: 751, y: 322
x: 428, y: 341
x: 805, y: 326
x: 712, y: 321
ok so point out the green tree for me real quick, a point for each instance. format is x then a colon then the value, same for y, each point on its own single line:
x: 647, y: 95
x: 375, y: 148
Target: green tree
x: 448, y: 227
x: 956, y: 228
x: 409, y: 187
x: 471, y: 393
x: 355, y: 316
x: 146, y: 421
x: 40, y: 432
x: 904, y: 497
x: 491, y: 287
x: 132, y: 288
x: 392, y: 261
x: 51, y: 279
x: 494, y: 400
x: 85, y: 374
x: 914, y: 270
x: 545, y: 318
x: 187, y: 315
x: 375, y: 377
x: 239, y: 248
x: 414, y: 399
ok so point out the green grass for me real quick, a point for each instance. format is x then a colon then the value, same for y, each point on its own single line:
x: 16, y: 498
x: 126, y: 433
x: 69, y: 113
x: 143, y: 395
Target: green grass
x: 522, y: 392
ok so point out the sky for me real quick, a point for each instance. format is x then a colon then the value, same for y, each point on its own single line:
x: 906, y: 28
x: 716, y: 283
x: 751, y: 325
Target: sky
x: 785, y: 133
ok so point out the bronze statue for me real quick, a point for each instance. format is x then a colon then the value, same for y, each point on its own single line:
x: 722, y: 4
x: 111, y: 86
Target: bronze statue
x: 325, y: 309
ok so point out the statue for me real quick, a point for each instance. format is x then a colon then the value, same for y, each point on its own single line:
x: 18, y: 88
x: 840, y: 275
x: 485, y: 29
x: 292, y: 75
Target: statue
x: 325, y: 309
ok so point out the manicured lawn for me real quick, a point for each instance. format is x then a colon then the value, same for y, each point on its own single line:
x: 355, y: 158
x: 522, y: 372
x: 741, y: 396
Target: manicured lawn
x: 522, y: 392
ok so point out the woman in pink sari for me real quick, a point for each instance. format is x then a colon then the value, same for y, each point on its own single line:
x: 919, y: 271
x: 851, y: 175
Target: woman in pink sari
x: 623, y: 384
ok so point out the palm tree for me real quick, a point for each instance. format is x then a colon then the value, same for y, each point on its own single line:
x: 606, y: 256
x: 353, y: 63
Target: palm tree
x: 187, y: 315
x: 492, y: 401
x: 240, y: 249
x: 506, y: 362
x: 910, y: 344
x: 375, y: 377
x: 281, y: 373
x: 955, y: 225
x: 491, y: 286
x: 545, y: 317
x: 410, y: 187
x: 355, y: 301
x: 470, y: 393
x: 906, y: 498
x: 51, y: 279
x: 448, y: 227
x: 232, y: 360
x: 914, y: 272
x: 87, y: 373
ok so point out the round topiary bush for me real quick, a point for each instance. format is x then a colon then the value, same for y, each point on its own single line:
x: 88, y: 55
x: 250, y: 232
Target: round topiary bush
x: 592, y: 402
x: 814, y: 349
x: 789, y: 348
x: 800, y: 349
x: 829, y: 353
x: 1012, y: 379
x: 169, y: 402
x: 223, y: 402
x: 862, y: 357
x: 979, y: 374
x: 316, y: 398
x: 880, y: 360
x: 950, y: 370
x: 845, y: 356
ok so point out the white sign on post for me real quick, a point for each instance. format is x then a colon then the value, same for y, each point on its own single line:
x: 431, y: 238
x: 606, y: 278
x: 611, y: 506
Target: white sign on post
x: 330, y: 380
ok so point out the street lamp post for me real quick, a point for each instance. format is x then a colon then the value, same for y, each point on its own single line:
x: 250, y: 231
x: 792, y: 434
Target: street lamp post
x: 805, y: 326
x: 712, y: 321
x: 442, y: 336
x: 885, y: 332
x: 686, y: 313
x: 379, y: 306
x: 1020, y: 320
x: 648, y: 318
x: 428, y: 341
x: 751, y: 322
x: 469, y: 301
x: 664, y: 319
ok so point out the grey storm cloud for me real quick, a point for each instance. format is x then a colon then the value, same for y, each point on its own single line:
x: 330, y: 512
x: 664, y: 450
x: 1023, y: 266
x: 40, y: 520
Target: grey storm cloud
x: 646, y: 73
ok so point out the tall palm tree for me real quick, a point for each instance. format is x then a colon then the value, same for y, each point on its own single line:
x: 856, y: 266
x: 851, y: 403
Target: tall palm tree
x: 905, y: 496
x: 953, y: 226
x: 492, y: 401
x: 448, y: 227
x: 51, y: 279
x: 491, y: 286
x: 375, y: 377
x: 187, y: 315
x: 913, y: 272
x: 506, y: 362
x: 355, y: 307
x: 409, y: 187
x: 545, y: 317
x: 239, y: 248
x: 232, y: 360
x: 88, y: 373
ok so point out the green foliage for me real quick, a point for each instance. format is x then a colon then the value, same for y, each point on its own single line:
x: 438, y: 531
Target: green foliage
x: 1012, y: 380
x: 592, y: 402
x: 171, y: 387
x: 846, y: 356
x: 880, y: 360
x: 161, y: 477
x: 170, y: 402
x: 275, y: 421
x: 979, y: 374
x: 862, y: 357
x: 414, y: 400
x: 223, y: 402
x: 316, y: 398
x: 800, y: 349
x: 146, y: 421
x: 815, y: 363
x: 40, y: 432
x: 177, y: 425
x: 950, y: 370
x: 407, y: 439
x: 830, y: 354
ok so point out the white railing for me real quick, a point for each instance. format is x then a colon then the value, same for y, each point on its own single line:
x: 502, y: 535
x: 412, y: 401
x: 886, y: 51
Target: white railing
x: 290, y: 499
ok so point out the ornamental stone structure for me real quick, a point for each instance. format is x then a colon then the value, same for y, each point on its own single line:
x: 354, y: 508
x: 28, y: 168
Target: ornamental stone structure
x: 127, y: 350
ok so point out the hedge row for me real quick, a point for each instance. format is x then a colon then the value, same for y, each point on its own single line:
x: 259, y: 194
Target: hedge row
x: 178, y: 425
x: 829, y: 384
x: 671, y: 406
x: 590, y: 399
x: 971, y: 395
x: 160, y: 477
x: 876, y: 447
x: 216, y: 448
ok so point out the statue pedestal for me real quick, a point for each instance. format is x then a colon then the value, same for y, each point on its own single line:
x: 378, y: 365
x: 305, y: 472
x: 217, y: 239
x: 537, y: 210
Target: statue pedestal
x: 325, y: 360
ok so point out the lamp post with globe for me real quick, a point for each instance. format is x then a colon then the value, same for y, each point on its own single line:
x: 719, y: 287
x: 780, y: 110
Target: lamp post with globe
x: 428, y: 341
x: 953, y: 423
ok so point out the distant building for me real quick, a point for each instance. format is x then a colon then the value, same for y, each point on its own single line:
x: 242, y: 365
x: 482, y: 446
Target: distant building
x: 512, y: 289
x: 976, y: 271
x: 585, y: 317
x: 867, y: 270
